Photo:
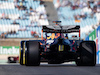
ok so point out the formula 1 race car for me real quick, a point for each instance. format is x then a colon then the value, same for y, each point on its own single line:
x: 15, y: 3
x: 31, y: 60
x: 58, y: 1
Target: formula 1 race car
x: 57, y: 49
x: 13, y: 59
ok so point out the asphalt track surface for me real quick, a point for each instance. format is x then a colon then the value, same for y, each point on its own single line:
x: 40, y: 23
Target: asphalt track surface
x: 48, y: 69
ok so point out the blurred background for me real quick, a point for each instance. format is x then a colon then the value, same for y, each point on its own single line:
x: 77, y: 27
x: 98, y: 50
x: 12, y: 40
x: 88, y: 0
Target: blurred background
x: 23, y: 20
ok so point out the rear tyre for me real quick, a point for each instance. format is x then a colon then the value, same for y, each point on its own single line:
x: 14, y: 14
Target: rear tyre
x: 21, y: 52
x: 32, y: 53
x: 87, y: 54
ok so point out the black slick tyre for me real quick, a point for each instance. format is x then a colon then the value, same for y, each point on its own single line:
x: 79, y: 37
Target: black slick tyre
x: 86, y: 54
x: 32, y: 53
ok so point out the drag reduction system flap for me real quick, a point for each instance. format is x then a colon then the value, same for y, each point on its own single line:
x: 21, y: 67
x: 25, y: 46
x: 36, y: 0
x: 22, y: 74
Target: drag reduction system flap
x: 61, y: 29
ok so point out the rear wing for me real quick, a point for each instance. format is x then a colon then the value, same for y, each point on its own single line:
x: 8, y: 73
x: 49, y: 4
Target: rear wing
x: 61, y: 29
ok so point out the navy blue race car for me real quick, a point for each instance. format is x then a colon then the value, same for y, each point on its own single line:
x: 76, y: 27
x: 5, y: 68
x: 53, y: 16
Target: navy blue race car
x: 57, y: 48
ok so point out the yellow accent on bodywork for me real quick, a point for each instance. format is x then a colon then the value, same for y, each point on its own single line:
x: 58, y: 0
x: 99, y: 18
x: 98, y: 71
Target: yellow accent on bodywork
x: 24, y: 53
x: 52, y: 36
x: 61, y: 47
